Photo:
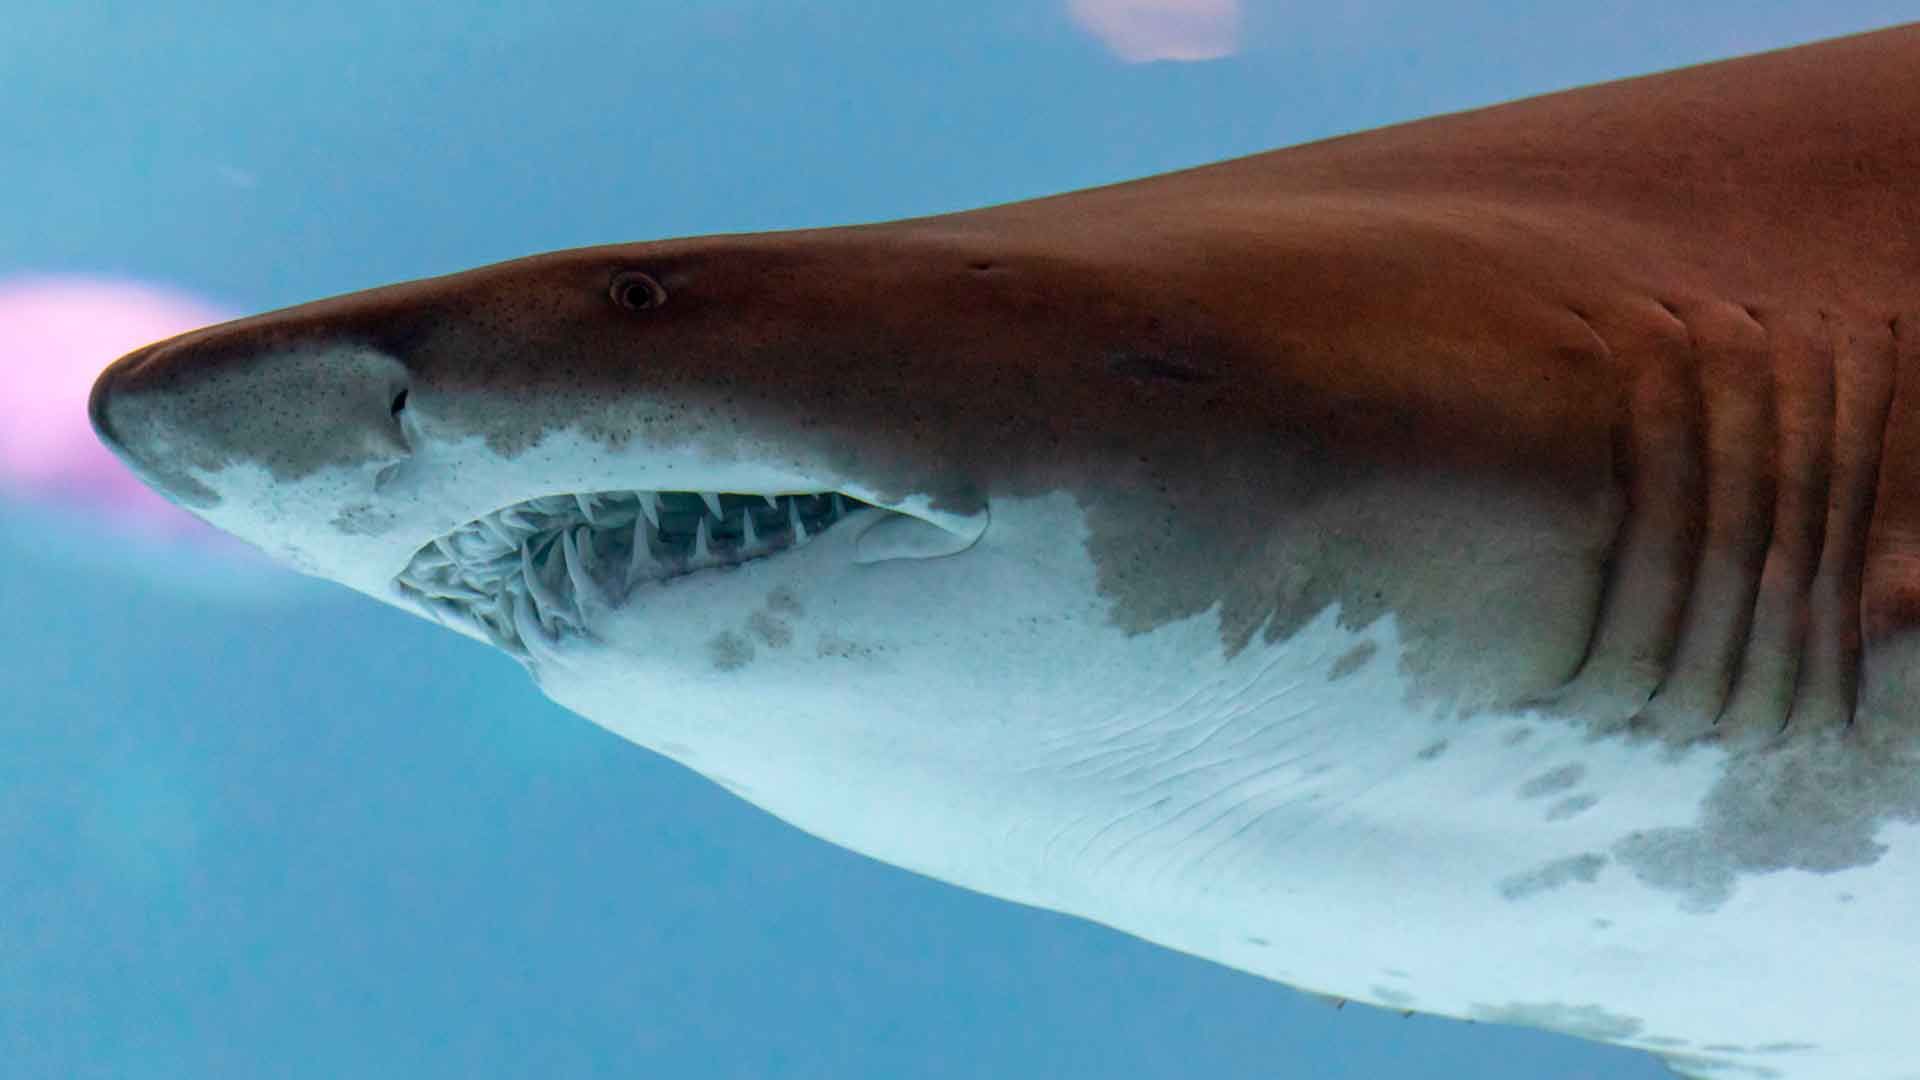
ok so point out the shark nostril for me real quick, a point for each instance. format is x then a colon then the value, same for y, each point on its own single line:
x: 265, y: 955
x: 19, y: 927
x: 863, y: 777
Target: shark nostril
x: 399, y: 404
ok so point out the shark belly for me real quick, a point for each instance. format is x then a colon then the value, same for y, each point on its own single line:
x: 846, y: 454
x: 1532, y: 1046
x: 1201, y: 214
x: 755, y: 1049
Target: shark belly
x: 1292, y: 811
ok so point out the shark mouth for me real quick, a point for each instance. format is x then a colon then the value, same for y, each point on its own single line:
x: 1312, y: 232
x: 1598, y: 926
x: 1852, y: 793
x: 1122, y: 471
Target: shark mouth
x: 525, y: 576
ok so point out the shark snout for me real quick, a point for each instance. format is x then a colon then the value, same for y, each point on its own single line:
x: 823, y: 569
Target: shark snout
x: 97, y: 403
x: 280, y: 405
x: 118, y: 409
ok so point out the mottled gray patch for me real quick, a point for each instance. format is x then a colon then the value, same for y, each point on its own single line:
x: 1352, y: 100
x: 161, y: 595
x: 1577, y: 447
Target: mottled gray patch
x: 1812, y: 804
x: 1602, y: 924
x: 1395, y: 973
x: 1518, y: 735
x: 1662, y: 1042
x: 1352, y: 660
x: 1679, y: 860
x: 784, y: 601
x: 1392, y: 995
x: 1724, y: 1048
x: 1260, y: 941
x: 1700, y: 1067
x: 730, y: 651
x: 1845, y: 898
x: 1553, y: 875
x: 1784, y: 1047
x: 1569, y: 806
x: 730, y: 784
x: 771, y: 631
x: 365, y: 519
x: 837, y: 646
x: 1586, y: 1021
x: 1432, y: 750
x: 1548, y: 783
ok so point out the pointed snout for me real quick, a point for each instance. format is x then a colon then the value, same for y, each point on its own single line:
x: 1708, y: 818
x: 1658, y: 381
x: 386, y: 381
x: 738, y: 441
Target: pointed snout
x: 102, y: 402
x: 115, y: 408
x: 279, y: 394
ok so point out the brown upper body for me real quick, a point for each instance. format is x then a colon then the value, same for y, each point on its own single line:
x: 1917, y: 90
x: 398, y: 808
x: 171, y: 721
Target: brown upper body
x: 1609, y: 395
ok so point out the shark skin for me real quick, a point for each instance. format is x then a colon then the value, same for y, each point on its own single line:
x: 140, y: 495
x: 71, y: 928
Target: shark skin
x: 1470, y: 566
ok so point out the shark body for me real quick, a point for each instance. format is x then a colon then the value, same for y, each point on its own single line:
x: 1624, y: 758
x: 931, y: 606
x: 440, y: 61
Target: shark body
x: 1469, y: 566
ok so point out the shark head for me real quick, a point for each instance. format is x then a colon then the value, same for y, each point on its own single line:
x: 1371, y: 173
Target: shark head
x: 539, y: 452
x: 888, y: 517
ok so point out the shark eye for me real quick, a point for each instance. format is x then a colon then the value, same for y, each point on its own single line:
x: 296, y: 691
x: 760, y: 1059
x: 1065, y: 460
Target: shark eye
x: 635, y: 291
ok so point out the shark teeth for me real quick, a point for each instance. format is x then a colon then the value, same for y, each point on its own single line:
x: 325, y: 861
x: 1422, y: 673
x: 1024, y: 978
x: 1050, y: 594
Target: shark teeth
x: 529, y: 574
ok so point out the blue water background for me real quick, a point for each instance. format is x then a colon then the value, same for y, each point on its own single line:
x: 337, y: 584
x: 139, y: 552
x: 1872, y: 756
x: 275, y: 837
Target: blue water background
x: 252, y: 825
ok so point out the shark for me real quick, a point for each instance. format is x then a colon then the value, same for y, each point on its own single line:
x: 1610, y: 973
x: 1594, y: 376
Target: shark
x: 1470, y: 566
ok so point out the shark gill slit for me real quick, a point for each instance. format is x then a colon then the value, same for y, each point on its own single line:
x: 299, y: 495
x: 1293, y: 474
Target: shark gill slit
x: 1751, y: 447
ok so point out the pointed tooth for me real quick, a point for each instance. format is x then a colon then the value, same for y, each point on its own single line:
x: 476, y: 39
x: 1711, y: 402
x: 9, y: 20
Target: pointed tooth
x: 839, y: 506
x: 641, y: 565
x: 578, y: 548
x: 585, y: 503
x: 498, y: 530
x: 527, y: 624
x: 650, y: 507
x: 772, y: 503
x: 454, y: 591
x: 749, y: 537
x: 590, y: 553
x: 702, y: 550
x: 548, y: 604
x: 712, y: 501
x: 793, y: 519
x: 444, y: 613
x: 428, y: 562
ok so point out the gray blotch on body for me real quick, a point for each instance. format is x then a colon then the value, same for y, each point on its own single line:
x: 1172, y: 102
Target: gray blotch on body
x: 771, y: 631
x: 1432, y: 750
x: 1701, y: 1067
x: 1569, y: 806
x: 1392, y: 995
x: 1812, y: 804
x: 1586, y: 1021
x: 1559, y: 779
x: 1560, y: 872
x: 1351, y: 661
x: 730, y: 651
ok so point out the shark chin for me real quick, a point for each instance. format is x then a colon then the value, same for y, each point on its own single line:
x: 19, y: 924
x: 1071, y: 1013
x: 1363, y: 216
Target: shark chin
x: 1463, y: 567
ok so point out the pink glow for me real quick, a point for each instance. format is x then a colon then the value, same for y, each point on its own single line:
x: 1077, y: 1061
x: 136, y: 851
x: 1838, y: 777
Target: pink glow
x: 56, y: 333
x: 1142, y: 30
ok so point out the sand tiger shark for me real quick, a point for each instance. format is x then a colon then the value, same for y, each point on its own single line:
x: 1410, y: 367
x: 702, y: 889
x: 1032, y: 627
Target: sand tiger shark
x: 1471, y: 566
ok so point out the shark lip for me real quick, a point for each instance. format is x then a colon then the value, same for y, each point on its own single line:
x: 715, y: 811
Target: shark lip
x: 526, y: 575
